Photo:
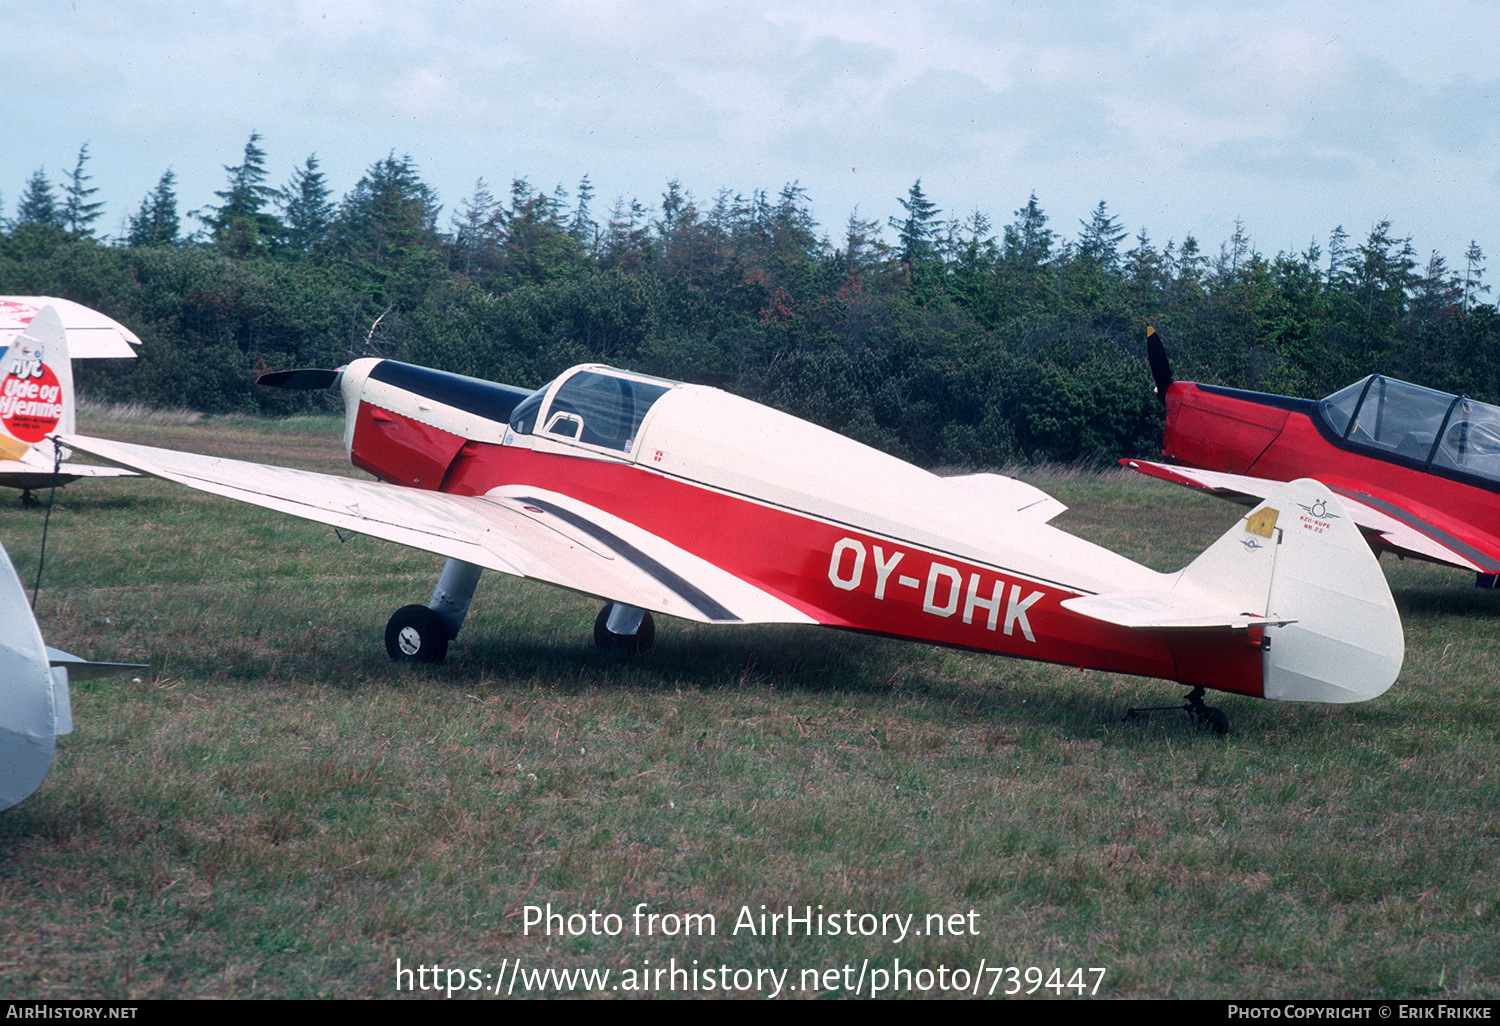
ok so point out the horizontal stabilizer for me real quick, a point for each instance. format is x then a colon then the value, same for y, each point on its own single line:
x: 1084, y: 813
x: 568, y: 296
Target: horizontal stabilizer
x: 80, y: 668
x: 91, y: 335
x: 1163, y: 612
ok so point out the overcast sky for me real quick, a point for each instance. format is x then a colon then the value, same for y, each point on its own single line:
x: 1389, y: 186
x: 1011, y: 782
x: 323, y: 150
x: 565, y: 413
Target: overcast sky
x: 1183, y: 116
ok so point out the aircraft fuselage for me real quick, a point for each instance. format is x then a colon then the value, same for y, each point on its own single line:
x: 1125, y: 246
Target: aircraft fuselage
x: 850, y: 536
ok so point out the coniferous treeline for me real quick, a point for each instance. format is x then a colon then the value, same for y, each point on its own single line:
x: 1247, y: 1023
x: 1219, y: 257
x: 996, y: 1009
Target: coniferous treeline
x: 943, y: 340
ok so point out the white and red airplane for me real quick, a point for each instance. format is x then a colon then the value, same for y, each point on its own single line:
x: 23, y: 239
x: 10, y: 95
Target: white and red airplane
x: 663, y: 497
x: 36, y: 394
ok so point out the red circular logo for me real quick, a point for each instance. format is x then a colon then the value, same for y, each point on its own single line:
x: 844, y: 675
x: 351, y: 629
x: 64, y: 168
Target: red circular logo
x: 31, y: 402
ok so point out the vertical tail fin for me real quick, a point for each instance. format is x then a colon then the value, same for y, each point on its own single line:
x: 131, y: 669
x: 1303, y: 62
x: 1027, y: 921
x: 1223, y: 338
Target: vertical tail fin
x: 1346, y: 644
x: 36, y: 387
x: 1336, y: 635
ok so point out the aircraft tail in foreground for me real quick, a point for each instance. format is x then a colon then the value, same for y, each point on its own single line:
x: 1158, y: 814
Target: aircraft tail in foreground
x: 36, y: 386
x: 1296, y: 575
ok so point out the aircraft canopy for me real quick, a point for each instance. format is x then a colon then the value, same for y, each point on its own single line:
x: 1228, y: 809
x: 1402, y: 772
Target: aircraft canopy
x: 1388, y: 417
x: 593, y: 405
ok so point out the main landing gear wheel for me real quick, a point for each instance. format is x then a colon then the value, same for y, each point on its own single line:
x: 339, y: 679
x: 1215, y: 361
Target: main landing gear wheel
x: 1203, y: 716
x: 415, y: 634
x: 630, y: 644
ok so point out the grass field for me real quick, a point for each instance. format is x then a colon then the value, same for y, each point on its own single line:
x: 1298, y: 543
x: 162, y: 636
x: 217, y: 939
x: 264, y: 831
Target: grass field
x: 276, y: 809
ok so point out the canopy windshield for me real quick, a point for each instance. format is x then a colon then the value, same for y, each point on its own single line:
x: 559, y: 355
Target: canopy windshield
x: 594, y: 405
x: 1392, y: 417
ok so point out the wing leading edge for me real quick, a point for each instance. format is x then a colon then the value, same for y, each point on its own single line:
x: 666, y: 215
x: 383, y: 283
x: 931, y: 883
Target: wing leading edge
x: 521, y: 531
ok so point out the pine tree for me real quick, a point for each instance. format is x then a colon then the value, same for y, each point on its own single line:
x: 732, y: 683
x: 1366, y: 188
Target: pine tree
x: 1437, y: 292
x: 306, y: 210
x: 156, y: 223
x: 863, y: 249
x: 77, y: 212
x: 240, y: 223
x: 1473, y: 271
x: 536, y: 243
x: 389, y: 216
x: 1028, y: 240
x: 1338, y: 253
x: 476, y: 231
x: 1100, y: 241
x: 918, y: 230
x: 626, y: 243
x: 584, y: 228
x: 38, y: 204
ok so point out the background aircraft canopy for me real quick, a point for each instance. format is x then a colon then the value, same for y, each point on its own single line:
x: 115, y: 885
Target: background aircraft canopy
x: 91, y: 335
x: 1387, y: 416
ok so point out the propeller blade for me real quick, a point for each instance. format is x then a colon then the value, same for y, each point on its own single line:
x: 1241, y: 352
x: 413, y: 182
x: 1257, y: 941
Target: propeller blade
x: 1161, y: 369
x: 307, y: 379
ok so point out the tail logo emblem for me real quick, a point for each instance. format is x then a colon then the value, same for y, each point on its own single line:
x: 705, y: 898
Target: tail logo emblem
x: 1319, y: 509
x: 30, y: 401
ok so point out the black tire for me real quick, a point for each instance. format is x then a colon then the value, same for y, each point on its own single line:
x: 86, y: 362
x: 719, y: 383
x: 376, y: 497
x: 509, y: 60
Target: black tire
x: 1217, y: 721
x: 1211, y: 717
x: 607, y: 640
x: 415, y: 634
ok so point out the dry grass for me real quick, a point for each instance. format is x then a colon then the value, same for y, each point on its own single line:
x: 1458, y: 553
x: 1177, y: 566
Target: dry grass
x: 277, y: 810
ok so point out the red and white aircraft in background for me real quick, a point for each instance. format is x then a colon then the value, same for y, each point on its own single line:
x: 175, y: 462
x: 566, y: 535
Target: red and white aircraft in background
x: 664, y: 497
x: 36, y: 390
x: 1418, y: 470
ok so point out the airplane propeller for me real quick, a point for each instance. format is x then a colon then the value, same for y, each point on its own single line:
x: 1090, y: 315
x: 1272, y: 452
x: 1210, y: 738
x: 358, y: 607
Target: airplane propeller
x: 306, y: 379
x: 1156, y: 355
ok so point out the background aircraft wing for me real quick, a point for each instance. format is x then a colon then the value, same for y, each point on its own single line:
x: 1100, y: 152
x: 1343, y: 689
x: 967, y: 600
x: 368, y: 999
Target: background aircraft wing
x: 1394, y: 523
x: 522, y: 531
x: 91, y: 335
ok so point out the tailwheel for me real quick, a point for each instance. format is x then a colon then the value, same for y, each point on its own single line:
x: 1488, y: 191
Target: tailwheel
x: 29, y: 501
x: 621, y: 628
x: 1203, y: 716
x: 416, y: 634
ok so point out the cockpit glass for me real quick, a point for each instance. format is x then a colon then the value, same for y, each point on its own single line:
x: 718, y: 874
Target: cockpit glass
x: 1339, y: 407
x: 612, y: 408
x: 1471, y: 441
x: 1394, y: 417
x: 523, y: 417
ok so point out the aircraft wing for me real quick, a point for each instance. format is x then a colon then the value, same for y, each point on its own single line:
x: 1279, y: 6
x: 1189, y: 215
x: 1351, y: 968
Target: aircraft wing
x: 1394, y: 525
x: 521, y: 530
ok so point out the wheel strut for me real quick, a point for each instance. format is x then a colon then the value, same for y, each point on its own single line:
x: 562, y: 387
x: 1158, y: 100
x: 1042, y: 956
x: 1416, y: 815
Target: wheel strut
x: 622, y: 628
x: 420, y: 634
